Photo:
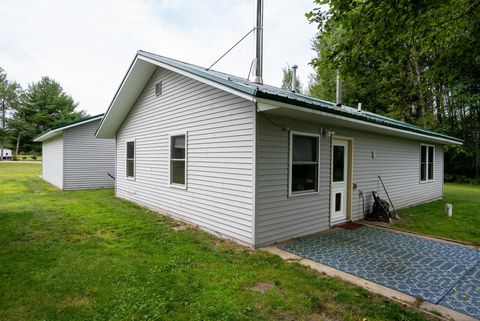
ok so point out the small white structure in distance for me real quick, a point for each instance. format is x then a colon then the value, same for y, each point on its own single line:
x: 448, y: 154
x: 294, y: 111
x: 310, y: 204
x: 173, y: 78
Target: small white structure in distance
x: 7, y: 153
x: 72, y: 158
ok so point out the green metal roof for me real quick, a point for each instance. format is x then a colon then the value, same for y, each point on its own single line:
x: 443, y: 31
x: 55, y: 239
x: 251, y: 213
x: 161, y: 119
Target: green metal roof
x: 80, y: 120
x: 68, y: 124
x: 277, y: 94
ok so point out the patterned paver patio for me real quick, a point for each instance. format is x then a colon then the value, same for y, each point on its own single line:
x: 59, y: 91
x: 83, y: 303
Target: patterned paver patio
x: 439, y: 272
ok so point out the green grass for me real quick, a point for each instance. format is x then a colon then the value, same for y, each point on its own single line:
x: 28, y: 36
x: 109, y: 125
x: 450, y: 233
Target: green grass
x: 430, y: 219
x: 85, y: 255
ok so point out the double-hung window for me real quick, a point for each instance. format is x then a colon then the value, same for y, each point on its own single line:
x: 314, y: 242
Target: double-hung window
x: 178, y: 160
x: 427, y: 163
x: 303, y: 163
x: 130, y: 160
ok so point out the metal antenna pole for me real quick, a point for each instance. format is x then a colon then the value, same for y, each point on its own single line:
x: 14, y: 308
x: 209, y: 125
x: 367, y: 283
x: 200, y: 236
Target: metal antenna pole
x: 259, y: 43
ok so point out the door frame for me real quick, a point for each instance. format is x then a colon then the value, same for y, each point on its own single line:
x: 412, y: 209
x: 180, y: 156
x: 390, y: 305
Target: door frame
x: 350, y: 142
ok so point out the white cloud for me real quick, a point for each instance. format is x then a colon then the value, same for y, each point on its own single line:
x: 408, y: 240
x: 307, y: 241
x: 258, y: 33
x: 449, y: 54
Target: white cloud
x: 88, y: 45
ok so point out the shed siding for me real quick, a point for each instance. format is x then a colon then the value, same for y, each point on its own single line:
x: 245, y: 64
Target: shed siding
x: 397, y: 161
x: 87, y: 159
x: 52, y: 161
x: 219, y: 194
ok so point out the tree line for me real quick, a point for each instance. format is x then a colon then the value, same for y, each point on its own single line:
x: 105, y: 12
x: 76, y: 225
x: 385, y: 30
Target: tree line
x: 415, y: 61
x: 26, y: 113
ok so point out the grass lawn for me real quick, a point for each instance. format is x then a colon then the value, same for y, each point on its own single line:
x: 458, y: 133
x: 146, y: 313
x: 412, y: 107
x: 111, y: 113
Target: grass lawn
x: 85, y: 255
x: 430, y: 219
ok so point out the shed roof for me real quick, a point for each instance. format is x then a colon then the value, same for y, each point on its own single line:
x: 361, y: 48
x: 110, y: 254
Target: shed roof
x: 57, y: 130
x: 145, y: 63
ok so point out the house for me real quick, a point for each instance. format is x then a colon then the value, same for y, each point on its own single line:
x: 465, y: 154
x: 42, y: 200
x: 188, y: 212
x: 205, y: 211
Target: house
x: 6, y: 154
x: 256, y: 163
x: 72, y: 158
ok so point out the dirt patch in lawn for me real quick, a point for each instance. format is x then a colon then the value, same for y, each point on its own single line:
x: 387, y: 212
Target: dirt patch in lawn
x: 262, y: 287
x: 75, y: 302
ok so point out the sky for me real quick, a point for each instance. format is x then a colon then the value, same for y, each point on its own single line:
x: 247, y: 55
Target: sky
x: 88, y: 45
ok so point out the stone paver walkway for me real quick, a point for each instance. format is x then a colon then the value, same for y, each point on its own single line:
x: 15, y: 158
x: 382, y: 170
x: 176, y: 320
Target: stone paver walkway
x: 439, y: 272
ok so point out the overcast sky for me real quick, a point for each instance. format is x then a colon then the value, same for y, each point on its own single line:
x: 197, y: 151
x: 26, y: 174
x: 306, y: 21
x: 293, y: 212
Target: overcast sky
x: 87, y: 45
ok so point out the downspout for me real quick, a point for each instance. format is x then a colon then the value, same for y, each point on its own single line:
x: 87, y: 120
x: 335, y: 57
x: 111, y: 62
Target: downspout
x: 254, y: 171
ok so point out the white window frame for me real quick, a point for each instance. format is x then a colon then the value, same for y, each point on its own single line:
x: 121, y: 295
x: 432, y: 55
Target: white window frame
x: 134, y: 141
x: 426, y: 164
x: 290, y: 164
x: 170, y: 135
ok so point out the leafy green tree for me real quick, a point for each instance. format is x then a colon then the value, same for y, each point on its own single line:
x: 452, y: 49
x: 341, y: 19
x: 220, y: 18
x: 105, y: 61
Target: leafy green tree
x: 417, y: 61
x: 9, y: 92
x: 43, y: 105
x: 287, y: 80
x: 19, y: 127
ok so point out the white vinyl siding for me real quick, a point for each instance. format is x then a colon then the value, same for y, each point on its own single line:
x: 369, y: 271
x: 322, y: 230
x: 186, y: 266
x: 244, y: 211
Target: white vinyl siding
x: 88, y: 160
x: 220, y: 148
x: 52, y: 161
x: 279, y: 217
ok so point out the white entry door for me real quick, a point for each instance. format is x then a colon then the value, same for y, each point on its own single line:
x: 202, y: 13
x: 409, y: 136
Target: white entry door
x: 339, y: 193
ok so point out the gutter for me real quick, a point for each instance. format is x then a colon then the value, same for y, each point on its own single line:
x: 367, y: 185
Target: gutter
x: 330, y: 110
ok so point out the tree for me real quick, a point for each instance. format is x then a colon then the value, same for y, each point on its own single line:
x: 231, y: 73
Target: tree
x: 287, y: 80
x: 416, y: 61
x: 20, y: 127
x: 43, y: 105
x: 9, y: 92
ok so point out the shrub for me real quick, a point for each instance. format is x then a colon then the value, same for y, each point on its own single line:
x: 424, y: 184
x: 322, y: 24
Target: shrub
x: 462, y: 179
x: 34, y: 157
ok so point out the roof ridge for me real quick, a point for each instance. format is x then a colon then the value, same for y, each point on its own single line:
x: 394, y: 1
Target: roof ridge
x: 270, y: 92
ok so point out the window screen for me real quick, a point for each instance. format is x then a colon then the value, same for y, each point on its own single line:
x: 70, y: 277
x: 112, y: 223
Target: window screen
x: 430, y: 162
x: 177, y: 160
x: 423, y: 163
x: 130, y: 165
x: 427, y: 163
x: 304, y: 163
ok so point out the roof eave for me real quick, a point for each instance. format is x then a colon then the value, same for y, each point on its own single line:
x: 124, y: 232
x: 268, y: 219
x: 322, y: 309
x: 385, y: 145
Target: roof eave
x: 218, y: 82
x: 48, y: 135
x: 57, y: 131
x: 285, y: 102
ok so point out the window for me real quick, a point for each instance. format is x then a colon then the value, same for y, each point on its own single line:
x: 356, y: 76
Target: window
x: 178, y: 161
x: 427, y: 163
x: 130, y: 165
x: 338, y: 163
x: 303, y: 163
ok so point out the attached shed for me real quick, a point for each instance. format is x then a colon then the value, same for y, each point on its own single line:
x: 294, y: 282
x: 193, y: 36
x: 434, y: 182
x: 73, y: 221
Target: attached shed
x: 73, y: 159
x: 256, y: 163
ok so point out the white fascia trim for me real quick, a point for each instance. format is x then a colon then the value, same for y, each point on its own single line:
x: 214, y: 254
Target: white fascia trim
x: 266, y: 103
x: 57, y: 132
x: 174, y: 69
x: 124, y: 80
